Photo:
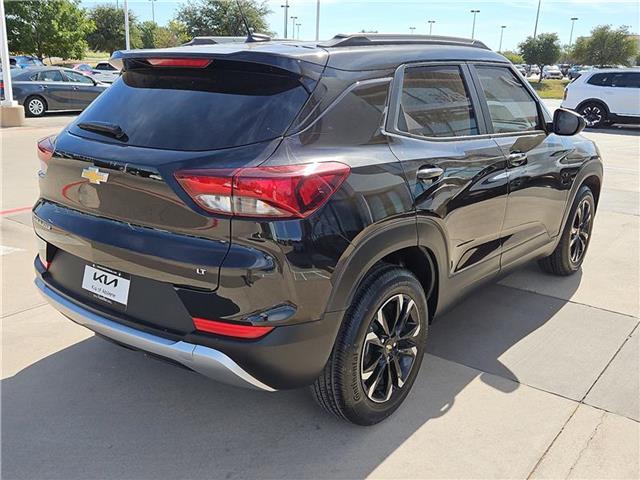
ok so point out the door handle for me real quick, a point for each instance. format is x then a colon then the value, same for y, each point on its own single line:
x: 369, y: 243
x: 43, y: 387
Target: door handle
x: 429, y: 173
x: 517, y: 159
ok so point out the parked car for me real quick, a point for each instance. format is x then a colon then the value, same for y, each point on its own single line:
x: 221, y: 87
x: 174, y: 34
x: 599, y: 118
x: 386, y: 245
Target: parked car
x: 26, y: 61
x: 43, y: 89
x: 573, y: 74
x: 564, y: 68
x: 534, y: 70
x: 522, y: 69
x: 552, y: 72
x: 303, y: 214
x: 604, y: 97
x: 105, y: 72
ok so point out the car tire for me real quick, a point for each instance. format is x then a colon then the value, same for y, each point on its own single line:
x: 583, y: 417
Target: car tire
x: 570, y: 252
x: 35, y: 106
x: 376, y: 358
x: 595, y: 114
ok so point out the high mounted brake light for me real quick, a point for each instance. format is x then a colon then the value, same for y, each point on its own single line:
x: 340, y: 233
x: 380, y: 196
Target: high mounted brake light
x: 288, y: 191
x: 180, y: 62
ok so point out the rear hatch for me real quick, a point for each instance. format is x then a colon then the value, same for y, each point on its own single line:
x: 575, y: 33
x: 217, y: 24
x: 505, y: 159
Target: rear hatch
x: 109, y: 195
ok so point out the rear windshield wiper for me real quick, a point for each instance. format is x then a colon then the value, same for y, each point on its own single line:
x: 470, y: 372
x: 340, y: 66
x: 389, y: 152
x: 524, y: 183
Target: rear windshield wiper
x: 105, y: 128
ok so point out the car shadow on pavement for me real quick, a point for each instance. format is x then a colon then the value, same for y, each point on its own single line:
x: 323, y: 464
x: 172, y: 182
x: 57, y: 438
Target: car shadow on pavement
x: 627, y: 130
x: 97, y: 410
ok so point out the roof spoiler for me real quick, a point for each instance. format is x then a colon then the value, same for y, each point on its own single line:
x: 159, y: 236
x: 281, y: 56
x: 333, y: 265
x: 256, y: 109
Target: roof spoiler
x: 251, y: 38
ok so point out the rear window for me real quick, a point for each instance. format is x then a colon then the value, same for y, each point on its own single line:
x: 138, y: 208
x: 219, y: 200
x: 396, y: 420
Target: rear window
x: 224, y: 105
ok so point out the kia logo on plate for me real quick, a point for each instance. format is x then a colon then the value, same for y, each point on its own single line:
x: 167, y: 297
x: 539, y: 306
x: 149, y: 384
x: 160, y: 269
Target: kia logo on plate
x: 102, y: 278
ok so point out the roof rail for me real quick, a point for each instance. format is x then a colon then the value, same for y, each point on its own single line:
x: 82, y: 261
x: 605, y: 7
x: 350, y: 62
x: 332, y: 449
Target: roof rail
x: 364, y: 39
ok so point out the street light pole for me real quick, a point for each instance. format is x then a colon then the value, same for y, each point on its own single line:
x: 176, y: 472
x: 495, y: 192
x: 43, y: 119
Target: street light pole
x: 317, y: 20
x: 298, y: 31
x: 286, y: 16
x: 431, y: 22
x: 573, y: 22
x: 413, y: 29
x: 473, y: 28
x: 293, y: 26
x: 501, y: 35
x: 11, y: 113
x: 153, y: 11
x: 127, y: 43
x: 535, y: 29
x: 6, y: 64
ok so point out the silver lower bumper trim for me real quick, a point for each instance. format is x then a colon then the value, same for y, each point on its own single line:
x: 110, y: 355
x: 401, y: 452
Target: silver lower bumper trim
x: 204, y: 360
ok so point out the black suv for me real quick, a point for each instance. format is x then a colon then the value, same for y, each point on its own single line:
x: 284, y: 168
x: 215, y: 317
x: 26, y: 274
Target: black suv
x: 280, y: 214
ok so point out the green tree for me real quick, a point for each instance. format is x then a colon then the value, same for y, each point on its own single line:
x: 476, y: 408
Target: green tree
x: 109, y: 33
x: 541, y: 50
x: 179, y: 31
x: 148, y: 33
x: 606, y: 46
x: 47, y: 28
x: 222, y: 17
x: 513, y: 57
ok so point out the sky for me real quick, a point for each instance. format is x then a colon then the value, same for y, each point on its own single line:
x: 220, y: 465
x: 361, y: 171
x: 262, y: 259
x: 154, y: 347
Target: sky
x: 452, y: 17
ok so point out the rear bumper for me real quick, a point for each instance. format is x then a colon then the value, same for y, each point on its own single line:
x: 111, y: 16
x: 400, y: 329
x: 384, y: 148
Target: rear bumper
x: 204, y: 360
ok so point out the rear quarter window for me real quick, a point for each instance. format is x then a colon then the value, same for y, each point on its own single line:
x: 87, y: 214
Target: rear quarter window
x: 224, y: 105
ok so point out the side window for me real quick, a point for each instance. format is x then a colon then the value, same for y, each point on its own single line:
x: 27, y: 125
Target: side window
x: 627, y: 80
x: 601, y: 80
x: 436, y: 103
x: 77, y: 78
x: 355, y: 120
x: 50, y: 76
x: 511, y: 106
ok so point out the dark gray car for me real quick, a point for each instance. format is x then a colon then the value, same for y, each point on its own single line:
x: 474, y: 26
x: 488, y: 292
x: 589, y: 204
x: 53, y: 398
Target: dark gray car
x: 43, y: 89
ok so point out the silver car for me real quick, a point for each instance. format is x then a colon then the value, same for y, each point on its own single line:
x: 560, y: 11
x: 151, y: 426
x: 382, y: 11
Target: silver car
x: 43, y: 89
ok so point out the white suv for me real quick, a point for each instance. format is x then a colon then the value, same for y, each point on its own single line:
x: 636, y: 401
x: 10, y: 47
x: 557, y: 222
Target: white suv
x: 603, y: 97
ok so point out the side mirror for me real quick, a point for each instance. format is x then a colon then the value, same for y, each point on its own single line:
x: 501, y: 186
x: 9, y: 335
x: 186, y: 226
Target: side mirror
x: 567, y: 123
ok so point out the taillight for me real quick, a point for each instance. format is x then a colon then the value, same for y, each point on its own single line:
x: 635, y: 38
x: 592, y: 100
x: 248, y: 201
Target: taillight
x: 46, y: 147
x: 180, y: 62
x: 288, y: 191
x: 230, y: 329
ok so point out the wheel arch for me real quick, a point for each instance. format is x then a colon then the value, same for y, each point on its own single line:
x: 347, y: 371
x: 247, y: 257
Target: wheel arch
x: 395, y: 244
x: 595, y: 184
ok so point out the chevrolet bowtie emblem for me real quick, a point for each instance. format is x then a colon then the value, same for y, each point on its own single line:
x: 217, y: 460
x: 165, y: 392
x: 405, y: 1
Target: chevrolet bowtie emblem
x: 94, y: 175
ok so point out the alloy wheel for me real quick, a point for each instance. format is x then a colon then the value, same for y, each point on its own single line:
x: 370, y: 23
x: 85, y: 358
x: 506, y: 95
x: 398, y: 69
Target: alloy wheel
x: 580, y: 231
x: 390, y: 348
x: 36, y: 107
x: 593, y: 115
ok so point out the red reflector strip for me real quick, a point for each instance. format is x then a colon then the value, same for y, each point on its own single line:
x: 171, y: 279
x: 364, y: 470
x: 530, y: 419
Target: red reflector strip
x: 44, y: 263
x: 230, y: 329
x: 46, y: 148
x: 180, y: 62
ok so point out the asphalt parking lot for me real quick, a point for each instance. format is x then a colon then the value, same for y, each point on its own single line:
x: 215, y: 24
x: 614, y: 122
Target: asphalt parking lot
x: 530, y: 377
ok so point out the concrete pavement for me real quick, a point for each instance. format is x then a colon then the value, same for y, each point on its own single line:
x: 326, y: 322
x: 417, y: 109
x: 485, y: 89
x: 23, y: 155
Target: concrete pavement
x: 533, y: 376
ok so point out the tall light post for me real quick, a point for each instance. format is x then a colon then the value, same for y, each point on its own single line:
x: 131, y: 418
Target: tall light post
x: 127, y: 42
x: 473, y: 28
x: 153, y: 11
x: 431, y: 22
x: 573, y: 22
x: 298, y: 31
x: 286, y: 16
x: 413, y: 30
x: 502, y: 27
x: 535, y: 29
x: 11, y: 114
x: 317, y: 20
x: 293, y: 26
